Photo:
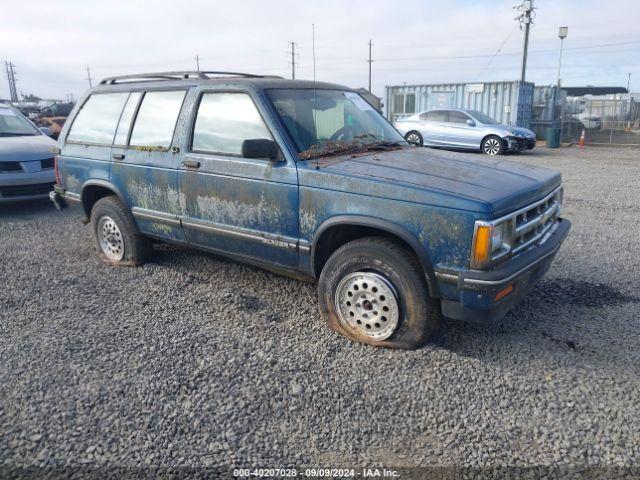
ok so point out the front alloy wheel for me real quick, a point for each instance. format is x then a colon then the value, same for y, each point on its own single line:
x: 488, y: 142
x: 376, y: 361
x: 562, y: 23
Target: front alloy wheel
x: 493, y: 146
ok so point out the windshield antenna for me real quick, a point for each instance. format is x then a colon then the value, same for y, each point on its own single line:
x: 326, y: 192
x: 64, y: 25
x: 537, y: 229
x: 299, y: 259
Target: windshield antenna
x: 313, y: 53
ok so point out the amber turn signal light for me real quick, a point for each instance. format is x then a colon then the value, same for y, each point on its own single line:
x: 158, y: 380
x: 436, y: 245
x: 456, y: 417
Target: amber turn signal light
x: 482, y: 244
x: 504, y: 292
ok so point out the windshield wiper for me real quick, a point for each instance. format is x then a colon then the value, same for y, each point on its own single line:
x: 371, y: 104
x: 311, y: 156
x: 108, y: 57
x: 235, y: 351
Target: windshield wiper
x: 12, y: 134
x: 335, y: 148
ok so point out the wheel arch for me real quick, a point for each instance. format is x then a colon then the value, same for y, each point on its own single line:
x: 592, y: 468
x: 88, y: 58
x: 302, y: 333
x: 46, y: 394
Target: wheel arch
x: 94, y: 190
x: 337, y: 231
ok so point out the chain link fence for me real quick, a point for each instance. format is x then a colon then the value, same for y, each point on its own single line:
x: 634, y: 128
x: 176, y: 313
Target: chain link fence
x: 604, y: 121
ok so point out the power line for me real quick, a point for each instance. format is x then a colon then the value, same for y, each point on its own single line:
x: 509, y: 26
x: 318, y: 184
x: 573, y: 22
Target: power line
x: 497, y: 51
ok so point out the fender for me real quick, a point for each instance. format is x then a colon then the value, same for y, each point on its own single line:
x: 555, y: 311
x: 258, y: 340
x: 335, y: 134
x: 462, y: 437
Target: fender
x: 389, y: 227
x: 109, y: 186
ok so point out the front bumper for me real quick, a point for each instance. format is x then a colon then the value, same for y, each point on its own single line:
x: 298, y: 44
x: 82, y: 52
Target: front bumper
x: 478, y: 289
x: 518, y: 144
x: 15, y: 187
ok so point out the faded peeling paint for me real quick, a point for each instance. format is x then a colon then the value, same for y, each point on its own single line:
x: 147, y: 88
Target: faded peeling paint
x: 239, y: 213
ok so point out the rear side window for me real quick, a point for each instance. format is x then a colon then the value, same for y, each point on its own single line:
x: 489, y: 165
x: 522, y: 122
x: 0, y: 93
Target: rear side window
x: 437, y: 116
x: 224, y: 121
x: 97, y: 119
x: 156, y: 119
x: 125, y: 120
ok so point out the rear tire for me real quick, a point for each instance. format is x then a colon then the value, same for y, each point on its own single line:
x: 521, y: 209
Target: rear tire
x: 493, y: 145
x: 373, y: 291
x: 117, y: 238
x: 414, y: 138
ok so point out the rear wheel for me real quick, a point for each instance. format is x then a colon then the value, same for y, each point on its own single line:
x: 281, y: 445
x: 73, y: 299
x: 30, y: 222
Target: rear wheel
x: 117, y: 239
x: 414, y: 138
x: 373, y: 291
x: 493, y: 145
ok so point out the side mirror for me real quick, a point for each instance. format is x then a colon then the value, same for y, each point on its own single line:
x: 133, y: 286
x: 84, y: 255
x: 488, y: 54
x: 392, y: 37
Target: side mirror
x: 46, y: 131
x: 471, y: 123
x: 260, y: 148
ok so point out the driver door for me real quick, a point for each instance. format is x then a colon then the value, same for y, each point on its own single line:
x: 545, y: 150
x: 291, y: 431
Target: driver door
x: 246, y: 207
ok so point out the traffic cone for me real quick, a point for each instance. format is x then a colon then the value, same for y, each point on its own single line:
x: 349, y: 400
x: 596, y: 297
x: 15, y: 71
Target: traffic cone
x: 581, y: 142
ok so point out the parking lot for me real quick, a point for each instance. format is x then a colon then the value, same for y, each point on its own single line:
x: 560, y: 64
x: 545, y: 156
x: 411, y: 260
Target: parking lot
x: 193, y: 360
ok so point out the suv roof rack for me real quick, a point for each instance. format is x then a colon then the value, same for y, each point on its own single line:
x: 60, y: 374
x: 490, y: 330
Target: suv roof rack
x: 200, y: 74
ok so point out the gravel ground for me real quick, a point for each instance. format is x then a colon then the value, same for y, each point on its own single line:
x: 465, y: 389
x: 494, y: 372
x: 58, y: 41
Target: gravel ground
x: 192, y: 360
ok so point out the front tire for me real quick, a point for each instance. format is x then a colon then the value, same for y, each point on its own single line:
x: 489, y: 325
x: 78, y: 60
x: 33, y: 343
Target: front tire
x: 117, y: 239
x: 414, y: 138
x: 373, y: 291
x: 493, y: 145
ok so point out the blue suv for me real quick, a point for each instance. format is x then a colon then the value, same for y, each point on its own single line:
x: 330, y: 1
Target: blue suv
x: 309, y: 180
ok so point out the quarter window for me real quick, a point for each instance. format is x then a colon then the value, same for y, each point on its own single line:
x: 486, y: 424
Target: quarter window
x: 125, y: 120
x: 224, y: 121
x: 97, y: 119
x: 156, y: 119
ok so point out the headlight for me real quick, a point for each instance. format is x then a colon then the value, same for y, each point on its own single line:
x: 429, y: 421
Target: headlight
x: 497, y: 237
x: 488, y: 239
x: 509, y: 133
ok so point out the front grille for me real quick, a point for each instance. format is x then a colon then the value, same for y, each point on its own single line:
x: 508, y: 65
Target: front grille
x: 531, y: 223
x: 10, y: 167
x: 47, y: 164
x: 25, y: 190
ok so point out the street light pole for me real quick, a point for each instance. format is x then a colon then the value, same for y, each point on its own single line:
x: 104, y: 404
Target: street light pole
x: 562, y: 34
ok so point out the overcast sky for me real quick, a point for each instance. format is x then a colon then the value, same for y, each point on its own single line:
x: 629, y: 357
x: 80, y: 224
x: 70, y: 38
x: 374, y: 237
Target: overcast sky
x: 415, y: 41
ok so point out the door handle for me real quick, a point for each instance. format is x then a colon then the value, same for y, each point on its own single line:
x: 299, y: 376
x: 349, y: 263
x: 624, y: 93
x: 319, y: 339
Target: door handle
x: 191, y: 164
x: 118, y: 156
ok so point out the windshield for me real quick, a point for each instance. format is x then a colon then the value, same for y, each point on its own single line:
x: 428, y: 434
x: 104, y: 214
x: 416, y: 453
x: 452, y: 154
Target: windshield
x: 482, y: 118
x: 12, y: 124
x: 323, y: 122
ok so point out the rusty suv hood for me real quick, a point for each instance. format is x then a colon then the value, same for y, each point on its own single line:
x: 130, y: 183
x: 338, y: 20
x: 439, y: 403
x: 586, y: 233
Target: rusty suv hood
x: 465, y: 181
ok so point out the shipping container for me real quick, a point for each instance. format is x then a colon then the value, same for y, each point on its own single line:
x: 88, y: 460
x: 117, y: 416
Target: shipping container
x: 510, y: 103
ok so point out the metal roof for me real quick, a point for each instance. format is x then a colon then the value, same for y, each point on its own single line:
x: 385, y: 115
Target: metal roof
x: 590, y: 90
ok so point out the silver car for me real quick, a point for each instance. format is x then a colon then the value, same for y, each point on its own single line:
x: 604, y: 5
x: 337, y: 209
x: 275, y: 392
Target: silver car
x: 468, y: 129
x: 26, y: 158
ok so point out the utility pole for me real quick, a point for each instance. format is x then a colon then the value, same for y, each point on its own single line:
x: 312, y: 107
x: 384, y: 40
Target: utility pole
x: 197, y: 59
x: 89, y: 77
x: 11, y: 78
x: 293, y: 60
x: 370, y: 61
x: 525, y: 18
x: 628, y: 82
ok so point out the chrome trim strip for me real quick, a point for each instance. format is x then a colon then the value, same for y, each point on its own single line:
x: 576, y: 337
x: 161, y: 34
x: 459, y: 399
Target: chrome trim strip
x: 155, y: 216
x: 447, y: 277
x: 528, y: 207
x: 276, y: 240
x: 304, y: 246
x: 73, y: 197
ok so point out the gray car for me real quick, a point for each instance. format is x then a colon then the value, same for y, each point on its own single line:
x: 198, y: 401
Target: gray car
x: 26, y: 158
x: 468, y: 129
